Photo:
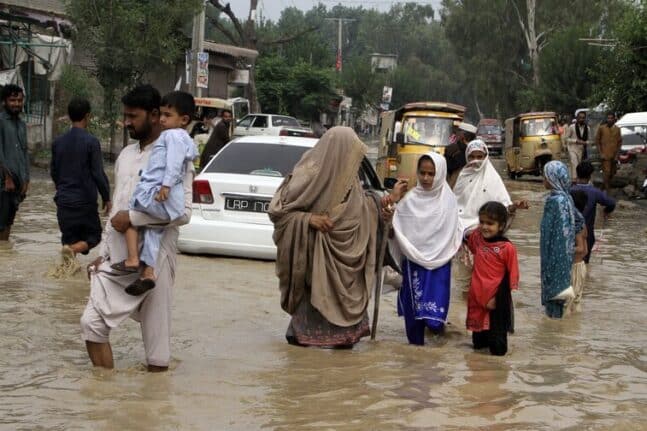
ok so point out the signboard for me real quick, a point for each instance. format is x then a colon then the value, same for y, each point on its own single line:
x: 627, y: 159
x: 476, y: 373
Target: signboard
x: 387, y: 93
x: 239, y: 77
x: 203, y: 70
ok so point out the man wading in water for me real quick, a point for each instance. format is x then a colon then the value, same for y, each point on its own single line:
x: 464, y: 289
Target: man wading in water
x: 14, y: 160
x: 109, y: 304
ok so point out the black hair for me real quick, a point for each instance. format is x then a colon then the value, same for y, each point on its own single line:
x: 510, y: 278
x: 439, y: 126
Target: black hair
x: 78, y: 108
x: 145, y: 97
x: 611, y: 113
x: 181, y: 101
x: 580, y: 199
x: 226, y: 110
x: 422, y: 159
x: 496, y: 211
x: 10, y: 90
x: 584, y: 170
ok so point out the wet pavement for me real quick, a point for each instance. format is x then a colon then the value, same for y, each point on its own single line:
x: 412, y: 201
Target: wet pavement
x: 232, y: 368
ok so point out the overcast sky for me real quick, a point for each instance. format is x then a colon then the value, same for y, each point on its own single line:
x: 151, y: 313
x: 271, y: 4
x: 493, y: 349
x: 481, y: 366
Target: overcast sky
x: 271, y: 9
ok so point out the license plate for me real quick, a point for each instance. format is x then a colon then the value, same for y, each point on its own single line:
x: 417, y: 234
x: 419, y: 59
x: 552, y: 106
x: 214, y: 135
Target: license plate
x: 247, y: 204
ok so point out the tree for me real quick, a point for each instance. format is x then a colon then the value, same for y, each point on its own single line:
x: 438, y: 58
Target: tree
x: 128, y: 38
x: 245, y: 35
x: 501, y: 44
x: 488, y: 50
x: 300, y: 89
x: 566, y: 70
x: 622, y: 72
x: 535, y: 42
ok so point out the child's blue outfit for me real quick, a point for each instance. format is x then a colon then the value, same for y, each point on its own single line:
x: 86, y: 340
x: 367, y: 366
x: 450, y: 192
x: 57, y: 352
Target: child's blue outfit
x: 166, y: 167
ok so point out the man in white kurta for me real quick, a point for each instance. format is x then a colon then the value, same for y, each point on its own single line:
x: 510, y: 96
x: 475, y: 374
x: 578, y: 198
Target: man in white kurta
x: 109, y: 305
x: 578, y: 137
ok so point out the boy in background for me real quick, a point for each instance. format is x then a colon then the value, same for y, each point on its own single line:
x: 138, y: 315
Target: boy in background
x: 77, y: 171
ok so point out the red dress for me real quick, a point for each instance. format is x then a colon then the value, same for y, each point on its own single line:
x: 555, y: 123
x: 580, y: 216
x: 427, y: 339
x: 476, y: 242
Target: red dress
x: 495, y: 265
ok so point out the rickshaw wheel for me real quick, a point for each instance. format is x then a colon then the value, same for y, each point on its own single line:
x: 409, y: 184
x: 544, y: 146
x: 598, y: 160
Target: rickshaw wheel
x: 512, y: 175
x: 541, y: 162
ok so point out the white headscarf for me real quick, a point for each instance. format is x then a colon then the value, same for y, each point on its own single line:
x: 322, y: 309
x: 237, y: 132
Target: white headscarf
x: 477, y: 184
x: 426, y: 225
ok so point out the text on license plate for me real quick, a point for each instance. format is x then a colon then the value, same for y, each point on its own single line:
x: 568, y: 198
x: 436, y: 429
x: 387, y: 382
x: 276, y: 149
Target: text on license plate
x: 247, y: 204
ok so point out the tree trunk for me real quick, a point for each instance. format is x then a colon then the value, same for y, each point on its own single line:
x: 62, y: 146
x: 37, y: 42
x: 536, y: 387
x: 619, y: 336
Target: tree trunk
x: 254, y: 106
x: 533, y: 46
x: 476, y: 104
x: 530, y: 34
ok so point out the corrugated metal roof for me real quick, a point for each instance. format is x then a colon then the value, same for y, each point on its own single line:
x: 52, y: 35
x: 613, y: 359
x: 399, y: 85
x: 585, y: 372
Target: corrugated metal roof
x: 234, y: 51
x: 52, y: 6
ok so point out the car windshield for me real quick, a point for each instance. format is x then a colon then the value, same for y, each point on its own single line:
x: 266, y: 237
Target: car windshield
x: 427, y: 130
x: 250, y: 158
x: 488, y: 130
x: 539, y: 127
x: 278, y: 120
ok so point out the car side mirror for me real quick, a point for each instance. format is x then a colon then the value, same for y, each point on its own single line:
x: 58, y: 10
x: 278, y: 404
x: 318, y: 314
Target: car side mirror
x: 399, y: 138
x: 389, y: 183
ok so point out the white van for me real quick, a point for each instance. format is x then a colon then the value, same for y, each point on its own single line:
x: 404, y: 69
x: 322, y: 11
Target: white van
x: 633, y: 128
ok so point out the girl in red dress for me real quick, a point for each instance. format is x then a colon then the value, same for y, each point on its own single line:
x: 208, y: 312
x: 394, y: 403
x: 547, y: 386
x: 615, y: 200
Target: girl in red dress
x: 496, y: 273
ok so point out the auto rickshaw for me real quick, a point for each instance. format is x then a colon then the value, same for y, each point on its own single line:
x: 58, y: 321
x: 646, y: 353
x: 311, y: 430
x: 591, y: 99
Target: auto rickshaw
x: 531, y: 140
x: 411, y: 131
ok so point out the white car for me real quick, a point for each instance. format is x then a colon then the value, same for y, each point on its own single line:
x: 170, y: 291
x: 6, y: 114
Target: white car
x: 232, y: 194
x: 633, y: 129
x: 270, y: 124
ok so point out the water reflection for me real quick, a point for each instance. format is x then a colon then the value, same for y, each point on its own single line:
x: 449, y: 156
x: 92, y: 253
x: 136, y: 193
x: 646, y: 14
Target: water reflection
x: 233, y: 370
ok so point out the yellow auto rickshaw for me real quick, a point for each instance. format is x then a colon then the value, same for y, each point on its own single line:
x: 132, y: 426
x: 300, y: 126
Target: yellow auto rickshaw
x: 531, y: 140
x: 411, y: 131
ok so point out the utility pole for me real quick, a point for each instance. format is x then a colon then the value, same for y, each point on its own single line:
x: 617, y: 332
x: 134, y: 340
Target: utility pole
x: 340, y: 23
x: 197, y: 45
x: 339, y: 60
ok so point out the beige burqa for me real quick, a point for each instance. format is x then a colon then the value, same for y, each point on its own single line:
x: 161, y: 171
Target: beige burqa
x: 339, y: 266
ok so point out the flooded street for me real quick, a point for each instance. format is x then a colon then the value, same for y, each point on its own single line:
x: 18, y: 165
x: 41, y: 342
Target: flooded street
x: 233, y: 370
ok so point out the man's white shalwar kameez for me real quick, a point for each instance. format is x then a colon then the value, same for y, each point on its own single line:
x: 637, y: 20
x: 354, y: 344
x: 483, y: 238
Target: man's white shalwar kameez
x: 109, y: 304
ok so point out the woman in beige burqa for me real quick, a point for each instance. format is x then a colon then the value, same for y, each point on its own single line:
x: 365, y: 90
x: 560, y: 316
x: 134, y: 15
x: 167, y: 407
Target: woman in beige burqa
x: 326, y: 229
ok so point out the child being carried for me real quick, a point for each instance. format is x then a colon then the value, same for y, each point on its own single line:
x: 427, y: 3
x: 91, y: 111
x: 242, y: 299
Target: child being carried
x: 160, y: 191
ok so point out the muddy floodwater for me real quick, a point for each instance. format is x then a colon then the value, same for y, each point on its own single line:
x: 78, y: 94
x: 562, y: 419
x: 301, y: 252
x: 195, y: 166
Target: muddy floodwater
x: 233, y: 370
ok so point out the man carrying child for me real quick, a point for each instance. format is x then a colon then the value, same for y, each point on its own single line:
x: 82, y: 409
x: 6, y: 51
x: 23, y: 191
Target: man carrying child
x: 160, y: 193
x: 109, y: 304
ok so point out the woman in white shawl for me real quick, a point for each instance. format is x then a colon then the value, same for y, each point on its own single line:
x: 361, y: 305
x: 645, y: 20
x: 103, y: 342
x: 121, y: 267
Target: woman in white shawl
x: 477, y: 184
x: 428, y: 233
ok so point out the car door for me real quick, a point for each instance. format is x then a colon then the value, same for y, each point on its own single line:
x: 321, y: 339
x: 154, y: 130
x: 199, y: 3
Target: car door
x: 244, y: 125
x: 260, y: 125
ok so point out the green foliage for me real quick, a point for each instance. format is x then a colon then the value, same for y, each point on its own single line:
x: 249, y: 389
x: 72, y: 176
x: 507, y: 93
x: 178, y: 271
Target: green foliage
x: 77, y: 82
x: 622, y: 71
x: 472, y: 52
x: 129, y: 37
x: 301, y: 90
x: 362, y: 85
x: 565, y: 66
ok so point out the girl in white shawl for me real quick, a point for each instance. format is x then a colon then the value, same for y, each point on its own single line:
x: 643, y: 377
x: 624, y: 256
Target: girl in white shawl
x: 428, y: 233
x: 478, y: 183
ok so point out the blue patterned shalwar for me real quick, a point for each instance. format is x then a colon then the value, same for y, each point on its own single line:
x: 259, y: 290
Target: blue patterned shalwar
x: 166, y: 167
x: 423, y: 299
x: 559, y: 225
